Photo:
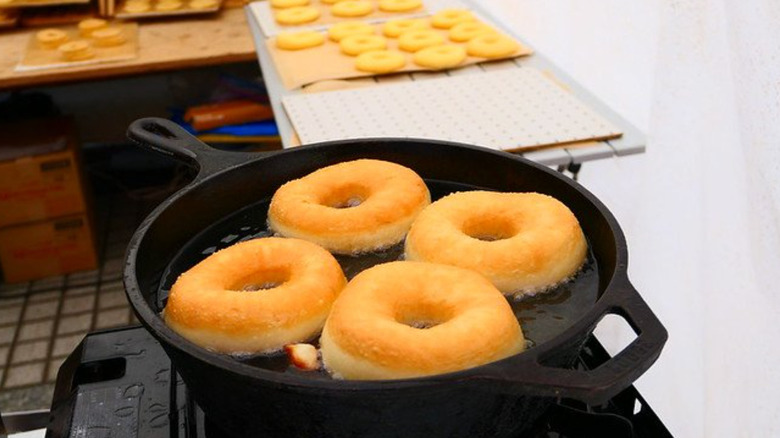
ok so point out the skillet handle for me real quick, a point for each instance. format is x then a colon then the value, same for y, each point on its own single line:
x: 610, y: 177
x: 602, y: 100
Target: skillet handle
x: 596, y: 386
x: 168, y: 138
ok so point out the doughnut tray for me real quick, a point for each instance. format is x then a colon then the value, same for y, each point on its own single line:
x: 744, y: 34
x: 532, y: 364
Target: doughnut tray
x: 570, y: 155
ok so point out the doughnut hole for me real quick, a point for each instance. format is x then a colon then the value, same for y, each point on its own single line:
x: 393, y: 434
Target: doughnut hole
x: 263, y: 280
x: 345, y: 196
x: 423, y: 315
x: 489, y: 229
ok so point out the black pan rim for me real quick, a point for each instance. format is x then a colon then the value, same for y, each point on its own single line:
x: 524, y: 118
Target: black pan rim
x: 156, y: 325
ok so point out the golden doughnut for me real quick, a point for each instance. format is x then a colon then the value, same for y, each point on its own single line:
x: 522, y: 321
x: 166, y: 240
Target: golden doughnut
x: 255, y: 296
x: 415, y: 40
x: 339, y: 31
x: 284, y: 4
x: 394, y: 28
x: 86, y: 27
x: 439, y: 57
x: 409, y: 319
x: 299, y: 40
x: 356, y: 44
x: 522, y: 242
x: 446, y: 18
x: 78, y: 50
x: 467, y: 30
x: 380, y: 61
x: 297, y: 15
x: 168, y: 5
x: 136, y: 7
x: 352, y: 8
x: 109, y: 37
x: 350, y: 207
x: 491, y: 46
x: 203, y: 4
x: 399, y: 5
x: 51, y: 38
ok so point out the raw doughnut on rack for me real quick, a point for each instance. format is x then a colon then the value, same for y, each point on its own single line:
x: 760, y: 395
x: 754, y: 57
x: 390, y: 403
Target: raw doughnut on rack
x: 297, y: 15
x: 339, y: 31
x: 523, y: 243
x: 409, y: 319
x: 109, y: 37
x: 380, y: 61
x: 284, y: 4
x: 352, y: 8
x: 350, y: 207
x: 399, y: 5
x: 255, y: 296
x: 447, y: 18
x: 440, y: 57
x: 467, y: 30
x: 299, y: 40
x: 491, y: 46
x: 203, y: 4
x: 78, y: 50
x: 86, y: 27
x: 168, y: 5
x: 415, y: 40
x: 136, y: 7
x: 51, y: 38
x: 394, y: 28
x: 356, y: 44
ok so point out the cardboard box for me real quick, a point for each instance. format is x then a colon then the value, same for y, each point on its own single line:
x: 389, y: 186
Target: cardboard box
x: 40, y: 175
x: 46, y: 248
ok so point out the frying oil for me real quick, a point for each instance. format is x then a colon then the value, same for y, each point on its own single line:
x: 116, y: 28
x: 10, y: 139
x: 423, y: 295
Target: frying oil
x: 542, y: 316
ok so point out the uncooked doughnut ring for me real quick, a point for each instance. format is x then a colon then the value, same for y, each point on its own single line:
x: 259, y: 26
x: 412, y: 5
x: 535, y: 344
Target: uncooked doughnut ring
x: 86, y: 27
x: 284, y: 4
x: 446, y: 18
x: 399, y: 5
x: 440, y: 57
x: 356, y: 44
x: 299, y: 40
x: 394, y: 28
x: 255, y: 296
x: 522, y: 242
x: 352, y: 8
x: 350, y: 207
x: 380, y: 61
x: 109, y: 37
x: 339, y: 31
x: 136, y: 7
x: 78, y: 50
x: 297, y: 15
x: 415, y: 40
x: 467, y: 30
x: 409, y: 319
x: 491, y: 46
x: 168, y: 5
x: 51, y: 38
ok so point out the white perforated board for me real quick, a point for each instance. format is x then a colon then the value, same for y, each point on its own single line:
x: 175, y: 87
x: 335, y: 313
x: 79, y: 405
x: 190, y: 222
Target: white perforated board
x: 510, y: 109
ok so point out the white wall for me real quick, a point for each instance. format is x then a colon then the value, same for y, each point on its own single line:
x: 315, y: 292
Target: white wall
x: 701, y: 209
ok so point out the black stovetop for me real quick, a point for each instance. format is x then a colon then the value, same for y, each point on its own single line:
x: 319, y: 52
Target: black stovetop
x: 120, y: 384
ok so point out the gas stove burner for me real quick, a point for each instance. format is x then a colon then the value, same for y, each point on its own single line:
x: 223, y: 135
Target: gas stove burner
x: 120, y: 383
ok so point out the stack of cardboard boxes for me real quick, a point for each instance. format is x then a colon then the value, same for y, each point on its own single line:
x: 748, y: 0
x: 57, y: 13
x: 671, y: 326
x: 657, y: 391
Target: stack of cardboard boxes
x: 45, y: 221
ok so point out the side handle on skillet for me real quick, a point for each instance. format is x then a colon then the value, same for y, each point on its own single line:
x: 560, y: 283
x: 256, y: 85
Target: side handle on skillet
x: 168, y: 138
x: 593, y: 386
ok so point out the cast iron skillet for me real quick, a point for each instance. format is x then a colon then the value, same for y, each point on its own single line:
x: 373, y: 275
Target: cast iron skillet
x: 498, y: 399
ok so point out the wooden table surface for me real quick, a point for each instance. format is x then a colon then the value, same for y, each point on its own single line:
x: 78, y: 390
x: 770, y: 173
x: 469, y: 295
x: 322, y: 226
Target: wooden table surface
x: 163, y: 45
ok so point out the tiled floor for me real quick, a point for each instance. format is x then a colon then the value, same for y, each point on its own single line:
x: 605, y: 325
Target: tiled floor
x: 41, y: 322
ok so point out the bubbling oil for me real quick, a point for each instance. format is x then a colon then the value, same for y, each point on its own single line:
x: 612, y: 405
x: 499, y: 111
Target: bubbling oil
x: 542, y: 316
